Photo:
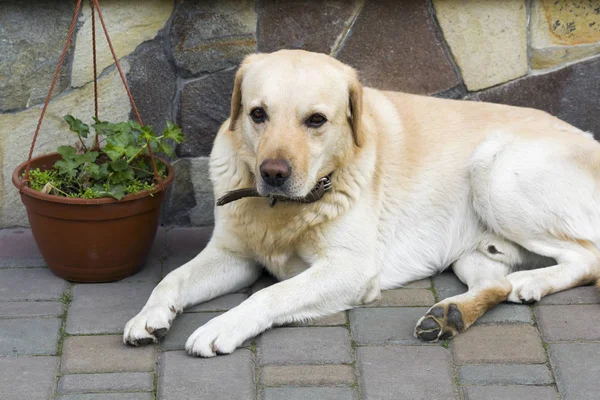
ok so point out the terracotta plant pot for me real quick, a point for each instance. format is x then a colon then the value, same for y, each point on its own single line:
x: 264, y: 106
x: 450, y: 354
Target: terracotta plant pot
x: 92, y: 240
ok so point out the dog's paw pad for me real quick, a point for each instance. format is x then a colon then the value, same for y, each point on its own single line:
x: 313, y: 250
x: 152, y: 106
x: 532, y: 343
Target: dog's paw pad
x: 441, y: 322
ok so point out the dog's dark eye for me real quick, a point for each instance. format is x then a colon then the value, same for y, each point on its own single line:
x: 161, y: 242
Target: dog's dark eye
x: 258, y: 115
x: 316, y: 120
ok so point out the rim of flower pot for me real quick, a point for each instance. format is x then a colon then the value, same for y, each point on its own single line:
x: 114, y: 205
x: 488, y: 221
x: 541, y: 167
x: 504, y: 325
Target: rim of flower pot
x: 16, y: 179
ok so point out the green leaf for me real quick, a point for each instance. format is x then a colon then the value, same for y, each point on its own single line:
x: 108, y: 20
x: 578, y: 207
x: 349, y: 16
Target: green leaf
x: 173, y: 132
x: 113, y: 152
x: 67, y: 167
x: 131, y: 151
x: 97, y: 172
x: 148, y: 134
x: 119, y: 165
x: 88, y: 157
x: 67, y: 152
x: 166, y: 148
x: 114, y: 191
x: 77, y: 126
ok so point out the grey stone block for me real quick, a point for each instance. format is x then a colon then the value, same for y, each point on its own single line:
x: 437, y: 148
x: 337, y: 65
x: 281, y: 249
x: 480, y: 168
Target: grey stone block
x: 174, y: 262
x: 183, y: 326
x: 309, y: 393
x: 330, y: 320
x: 576, y: 322
x: 509, y: 393
x: 386, y: 325
x: 182, y: 377
x: 105, y: 353
x: 107, y: 396
x: 27, y: 377
x: 307, y: 375
x: 151, y: 272
x: 420, y: 284
x: 123, y: 382
x: 498, y: 344
x: 447, y: 285
x: 507, y: 314
x: 105, y: 307
x: 29, y: 336
x: 30, y: 284
x: 580, y: 295
x: 414, y: 372
x: 187, y: 241
x: 264, y: 281
x: 222, y: 303
x: 327, y: 345
x: 505, y: 374
x: 20, y: 309
x: 404, y: 298
x: 181, y: 198
x: 22, y: 262
x: 576, y: 368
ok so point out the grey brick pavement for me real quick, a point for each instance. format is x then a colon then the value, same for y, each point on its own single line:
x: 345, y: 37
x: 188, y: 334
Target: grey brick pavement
x: 63, y: 341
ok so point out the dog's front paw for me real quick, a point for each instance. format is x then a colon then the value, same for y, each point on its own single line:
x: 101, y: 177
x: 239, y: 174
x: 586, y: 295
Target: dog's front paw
x: 220, y: 335
x: 527, y: 287
x: 149, y: 325
x: 442, y: 321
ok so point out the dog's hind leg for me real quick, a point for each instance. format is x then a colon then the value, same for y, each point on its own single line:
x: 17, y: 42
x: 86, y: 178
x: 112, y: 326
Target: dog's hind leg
x: 488, y: 286
x: 214, y: 272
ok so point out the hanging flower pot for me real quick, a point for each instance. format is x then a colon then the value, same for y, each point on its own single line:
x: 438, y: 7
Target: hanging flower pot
x: 94, y: 210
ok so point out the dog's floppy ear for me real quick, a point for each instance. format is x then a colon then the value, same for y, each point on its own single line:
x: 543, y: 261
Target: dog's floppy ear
x: 236, y: 96
x: 356, y: 99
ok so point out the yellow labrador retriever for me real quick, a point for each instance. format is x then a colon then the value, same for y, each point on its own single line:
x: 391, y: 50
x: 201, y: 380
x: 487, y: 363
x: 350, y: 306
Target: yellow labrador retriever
x: 342, y: 191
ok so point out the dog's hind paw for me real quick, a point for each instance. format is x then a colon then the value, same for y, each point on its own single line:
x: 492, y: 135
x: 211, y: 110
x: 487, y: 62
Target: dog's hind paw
x: 442, y: 321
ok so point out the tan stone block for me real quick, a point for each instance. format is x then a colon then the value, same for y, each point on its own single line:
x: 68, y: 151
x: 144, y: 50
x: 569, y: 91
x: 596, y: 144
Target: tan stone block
x: 129, y: 24
x: 16, y: 132
x: 487, y: 38
x: 499, y: 344
x: 404, y: 298
x: 562, y: 31
x: 307, y: 375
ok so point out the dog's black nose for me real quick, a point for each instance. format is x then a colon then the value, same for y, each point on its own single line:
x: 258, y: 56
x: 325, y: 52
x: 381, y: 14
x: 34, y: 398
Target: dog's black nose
x: 275, y: 172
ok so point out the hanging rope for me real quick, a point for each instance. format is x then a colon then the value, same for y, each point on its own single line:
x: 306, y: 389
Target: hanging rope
x: 94, y: 4
x: 54, y: 80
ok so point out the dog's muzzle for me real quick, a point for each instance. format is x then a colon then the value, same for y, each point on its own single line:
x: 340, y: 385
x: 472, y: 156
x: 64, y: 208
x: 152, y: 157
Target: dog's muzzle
x: 317, y: 192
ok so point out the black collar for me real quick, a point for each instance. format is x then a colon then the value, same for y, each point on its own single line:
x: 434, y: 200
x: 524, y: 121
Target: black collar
x: 317, y: 192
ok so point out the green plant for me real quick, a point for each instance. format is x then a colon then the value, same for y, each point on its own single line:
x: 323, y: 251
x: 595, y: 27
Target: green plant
x: 117, y: 169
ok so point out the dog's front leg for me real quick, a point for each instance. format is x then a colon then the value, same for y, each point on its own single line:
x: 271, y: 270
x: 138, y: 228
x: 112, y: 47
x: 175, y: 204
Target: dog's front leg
x: 214, y: 272
x: 328, y: 286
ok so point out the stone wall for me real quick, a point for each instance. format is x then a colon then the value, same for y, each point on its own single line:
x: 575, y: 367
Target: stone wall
x: 180, y: 58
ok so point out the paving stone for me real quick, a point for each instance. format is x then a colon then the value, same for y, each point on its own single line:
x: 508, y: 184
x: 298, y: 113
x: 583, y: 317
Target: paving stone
x: 447, y: 285
x: 576, y: 368
x: 574, y: 322
x: 29, y: 336
x: 404, y: 298
x: 507, y: 314
x: 386, y: 325
x: 384, y: 33
x: 416, y: 372
x: 265, y: 280
x: 309, y: 393
x: 420, y: 284
x: 487, y: 53
x: 505, y: 374
x: 150, y: 272
x: 107, y: 396
x: 182, y: 377
x: 27, y: 377
x: 328, y: 345
x: 188, y: 241
x: 32, y: 40
x: 209, y: 36
x: 174, y: 262
x: 30, y: 284
x: 509, y: 393
x: 124, y: 382
x: 330, y: 320
x: 18, y: 243
x: 570, y: 93
x: 285, y: 25
x: 203, y: 106
x: 222, y: 303
x: 498, y: 344
x: 183, y: 326
x: 105, y: 353
x: 105, y: 307
x: 159, y: 247
x: 580, y: 295
x: 307, y: 375
x: 151, y: 79
x: 28, y: 309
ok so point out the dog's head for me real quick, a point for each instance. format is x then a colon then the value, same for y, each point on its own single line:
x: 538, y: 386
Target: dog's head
x: 300, y: 117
